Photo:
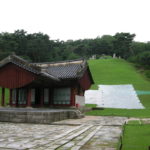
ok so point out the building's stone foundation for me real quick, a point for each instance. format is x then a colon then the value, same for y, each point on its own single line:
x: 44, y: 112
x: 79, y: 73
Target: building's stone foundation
x: 41, y: 116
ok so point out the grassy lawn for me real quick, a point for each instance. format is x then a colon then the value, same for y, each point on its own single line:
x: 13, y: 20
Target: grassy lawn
x: 90, y: 105
x: 6, y: 96
x: 140, y: 113
x: 118, y: 71
x: 136, y: 136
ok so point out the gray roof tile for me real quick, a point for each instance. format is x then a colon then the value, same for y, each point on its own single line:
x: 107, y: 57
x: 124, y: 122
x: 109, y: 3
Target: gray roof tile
x: 65, y: 71
x: 71, y: 69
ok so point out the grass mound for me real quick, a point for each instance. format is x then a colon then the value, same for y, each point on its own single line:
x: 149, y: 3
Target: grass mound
x: 119, y: 71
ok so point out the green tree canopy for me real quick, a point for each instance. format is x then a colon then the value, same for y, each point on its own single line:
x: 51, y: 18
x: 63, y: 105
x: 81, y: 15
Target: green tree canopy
x: 122, y: 44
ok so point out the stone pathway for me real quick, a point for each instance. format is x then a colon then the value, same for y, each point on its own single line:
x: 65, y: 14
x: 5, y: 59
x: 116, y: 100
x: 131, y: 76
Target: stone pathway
x: 89, y: 133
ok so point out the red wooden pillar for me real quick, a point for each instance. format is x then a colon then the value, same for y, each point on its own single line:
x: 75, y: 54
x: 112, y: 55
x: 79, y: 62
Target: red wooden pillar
x: 72, y: 97
x: 10, y: 97
x: 41, y: 97
x: 29, y: 94
x: 3, y: 97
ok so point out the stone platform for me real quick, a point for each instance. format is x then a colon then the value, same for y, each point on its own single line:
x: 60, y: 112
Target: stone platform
x: 37, y: 115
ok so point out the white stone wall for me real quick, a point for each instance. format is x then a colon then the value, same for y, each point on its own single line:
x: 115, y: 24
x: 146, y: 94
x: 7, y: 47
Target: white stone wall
x: 80, y: 100
x: 114, y: 96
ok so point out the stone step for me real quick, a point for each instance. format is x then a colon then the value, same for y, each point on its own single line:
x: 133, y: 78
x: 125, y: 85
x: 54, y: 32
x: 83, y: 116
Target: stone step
x: 86, y: 139
x: 36, y: 142
x: 69, y: 137
x: 82, y: 139
x: 63, y: 138
x: 79, y: 114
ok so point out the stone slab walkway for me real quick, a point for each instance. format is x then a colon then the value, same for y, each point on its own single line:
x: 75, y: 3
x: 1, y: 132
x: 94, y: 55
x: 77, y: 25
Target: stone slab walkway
x: 89, y: 133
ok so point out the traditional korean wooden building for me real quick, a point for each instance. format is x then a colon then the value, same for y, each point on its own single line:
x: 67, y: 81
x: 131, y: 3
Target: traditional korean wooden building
x: 43, y: 84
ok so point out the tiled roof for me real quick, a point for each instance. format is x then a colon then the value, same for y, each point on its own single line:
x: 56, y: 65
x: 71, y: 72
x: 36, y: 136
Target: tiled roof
x: 25, y: 65
x: 65, y: 70
x: 71, y: 69
x: 20, y: 62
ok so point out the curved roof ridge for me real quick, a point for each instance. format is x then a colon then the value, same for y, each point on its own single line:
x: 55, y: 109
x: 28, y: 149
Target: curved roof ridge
x: 61, y: 63
x: 20, y: 62
x: 25, y: 65
x: 53, y: 62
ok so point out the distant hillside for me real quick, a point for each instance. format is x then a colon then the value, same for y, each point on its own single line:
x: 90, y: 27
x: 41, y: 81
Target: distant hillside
x: 118, y: 71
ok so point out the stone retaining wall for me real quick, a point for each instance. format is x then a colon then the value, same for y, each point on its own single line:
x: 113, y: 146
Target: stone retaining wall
x: 42, y: 117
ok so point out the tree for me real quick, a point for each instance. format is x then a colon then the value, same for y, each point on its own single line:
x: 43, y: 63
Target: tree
x: 107, y: 44
x: 138, y: 47
x: 20, y: 37
x: 144, y: 58
x: 7, y: 44
x: 122, y: 44
x: 38, y: 47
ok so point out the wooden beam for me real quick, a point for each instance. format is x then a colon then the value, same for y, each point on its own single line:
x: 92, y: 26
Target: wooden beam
x: 3, y: 97
x: 72, y: 96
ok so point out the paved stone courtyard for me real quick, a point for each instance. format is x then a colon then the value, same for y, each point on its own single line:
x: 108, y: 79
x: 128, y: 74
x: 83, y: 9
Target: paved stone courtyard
x: 89, y: 133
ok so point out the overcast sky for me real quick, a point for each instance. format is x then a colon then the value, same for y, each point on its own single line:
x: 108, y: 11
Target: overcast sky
x: 77, y: 19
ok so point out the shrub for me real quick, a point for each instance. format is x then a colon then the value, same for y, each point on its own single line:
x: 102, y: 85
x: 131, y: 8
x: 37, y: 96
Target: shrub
x: 133, y: 59
x: 144, y: 58
x: 147, y: 73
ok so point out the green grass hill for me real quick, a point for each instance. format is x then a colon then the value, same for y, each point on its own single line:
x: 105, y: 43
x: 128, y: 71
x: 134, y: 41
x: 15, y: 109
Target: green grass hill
x: 119, y: 71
